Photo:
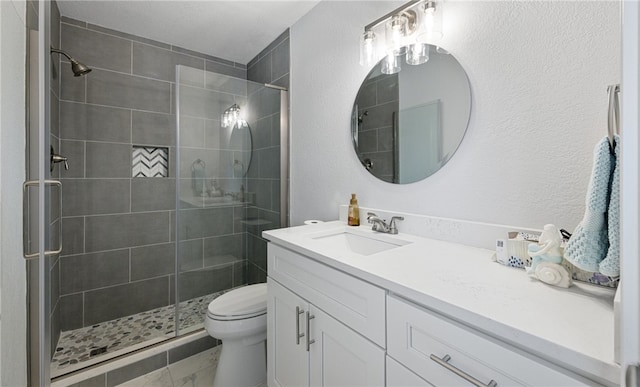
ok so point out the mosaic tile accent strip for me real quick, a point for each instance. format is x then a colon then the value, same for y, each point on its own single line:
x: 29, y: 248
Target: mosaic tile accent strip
x: 88, y: 343
x: 149, y: 162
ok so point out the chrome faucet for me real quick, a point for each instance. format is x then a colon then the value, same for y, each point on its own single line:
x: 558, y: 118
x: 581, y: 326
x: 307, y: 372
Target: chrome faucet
x: 380, y: 225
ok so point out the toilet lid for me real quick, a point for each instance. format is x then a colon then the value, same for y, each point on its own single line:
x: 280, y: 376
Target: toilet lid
x: 244, y: 302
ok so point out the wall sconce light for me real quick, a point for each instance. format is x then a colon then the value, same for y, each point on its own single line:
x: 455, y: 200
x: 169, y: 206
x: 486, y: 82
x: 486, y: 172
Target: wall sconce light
x: 406, y: 31
x: 232, y: 117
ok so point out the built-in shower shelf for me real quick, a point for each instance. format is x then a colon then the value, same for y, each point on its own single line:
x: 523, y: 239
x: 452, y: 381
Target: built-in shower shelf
x: 204, y: 201
x: 256, y: 222
x: 149, y: 161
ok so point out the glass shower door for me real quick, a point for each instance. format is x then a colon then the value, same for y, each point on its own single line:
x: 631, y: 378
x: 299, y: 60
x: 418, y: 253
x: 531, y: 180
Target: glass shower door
x: 227, y: 191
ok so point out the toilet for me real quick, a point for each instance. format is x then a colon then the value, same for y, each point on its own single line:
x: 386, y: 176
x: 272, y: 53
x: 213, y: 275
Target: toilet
x: 239, y: 319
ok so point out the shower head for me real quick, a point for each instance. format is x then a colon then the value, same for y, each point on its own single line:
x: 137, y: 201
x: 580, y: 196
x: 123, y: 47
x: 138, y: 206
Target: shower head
x: 77, y: 67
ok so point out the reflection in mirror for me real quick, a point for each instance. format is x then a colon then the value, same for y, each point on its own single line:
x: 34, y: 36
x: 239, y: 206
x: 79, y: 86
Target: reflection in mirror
x: 240, y: 147
x: 406, y: 126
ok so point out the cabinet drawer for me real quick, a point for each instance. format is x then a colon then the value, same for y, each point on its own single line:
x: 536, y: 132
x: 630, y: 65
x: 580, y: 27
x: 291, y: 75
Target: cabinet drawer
x: 414, y: 334
x: 356, y: 303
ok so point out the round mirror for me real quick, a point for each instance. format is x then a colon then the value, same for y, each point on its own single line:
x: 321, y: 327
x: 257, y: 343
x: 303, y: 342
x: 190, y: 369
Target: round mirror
x: 406, y: 126
x: 240, y: 147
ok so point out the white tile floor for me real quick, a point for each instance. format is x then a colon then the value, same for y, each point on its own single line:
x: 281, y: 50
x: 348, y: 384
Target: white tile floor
x: 195, y: 371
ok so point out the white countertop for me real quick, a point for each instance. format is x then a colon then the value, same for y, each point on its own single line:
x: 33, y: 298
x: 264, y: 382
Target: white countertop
x: 571, y: 327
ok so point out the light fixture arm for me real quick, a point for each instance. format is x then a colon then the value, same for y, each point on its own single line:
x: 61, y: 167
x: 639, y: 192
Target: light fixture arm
x: 399, y: 10
x: 407, y: 30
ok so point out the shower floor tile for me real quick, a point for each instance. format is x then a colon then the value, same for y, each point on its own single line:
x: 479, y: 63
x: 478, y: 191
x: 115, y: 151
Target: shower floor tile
x: 86, y: 346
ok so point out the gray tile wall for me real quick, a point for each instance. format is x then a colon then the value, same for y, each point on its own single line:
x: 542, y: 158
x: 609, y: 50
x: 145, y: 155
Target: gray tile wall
x: 118, y: 231
x: 378, y: 97
x: 270, y: 66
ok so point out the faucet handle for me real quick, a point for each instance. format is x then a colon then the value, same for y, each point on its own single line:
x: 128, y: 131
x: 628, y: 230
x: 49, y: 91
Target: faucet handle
x: 370, y: 215
x: 392, y: 224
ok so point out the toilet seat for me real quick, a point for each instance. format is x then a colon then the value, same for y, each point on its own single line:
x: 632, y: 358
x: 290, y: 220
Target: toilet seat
x: 239, y: 304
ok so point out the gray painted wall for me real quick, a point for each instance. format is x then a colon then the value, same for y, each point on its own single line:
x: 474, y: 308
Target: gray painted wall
x: 518, y: 122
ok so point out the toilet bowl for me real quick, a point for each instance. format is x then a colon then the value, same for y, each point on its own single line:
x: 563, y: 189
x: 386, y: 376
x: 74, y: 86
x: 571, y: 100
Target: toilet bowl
x: 239, y: 319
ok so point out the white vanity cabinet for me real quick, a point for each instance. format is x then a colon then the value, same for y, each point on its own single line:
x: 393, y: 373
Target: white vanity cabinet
x: 446, y: 353
x: 400, y: 376
x: 306, y: 345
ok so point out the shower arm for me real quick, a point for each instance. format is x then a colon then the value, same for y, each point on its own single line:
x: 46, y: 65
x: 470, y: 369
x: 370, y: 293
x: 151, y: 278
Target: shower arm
x: 62, y: 52
x: 77, y: 67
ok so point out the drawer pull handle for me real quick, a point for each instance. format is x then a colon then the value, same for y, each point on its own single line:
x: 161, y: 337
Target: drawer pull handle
x: 298, y: 334
x: 309, y: 341
x: 445, y: 363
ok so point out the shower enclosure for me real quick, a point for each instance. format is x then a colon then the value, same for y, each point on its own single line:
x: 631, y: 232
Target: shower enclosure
x: 163, y: 203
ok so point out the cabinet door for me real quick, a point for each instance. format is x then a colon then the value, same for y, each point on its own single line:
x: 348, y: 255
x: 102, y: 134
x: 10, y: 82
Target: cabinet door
x: 399, y: 376
x: 340, y: 356
x: 288, y: 360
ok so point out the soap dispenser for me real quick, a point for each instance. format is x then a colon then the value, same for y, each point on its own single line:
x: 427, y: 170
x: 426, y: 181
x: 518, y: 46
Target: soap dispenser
x: 354, y: 211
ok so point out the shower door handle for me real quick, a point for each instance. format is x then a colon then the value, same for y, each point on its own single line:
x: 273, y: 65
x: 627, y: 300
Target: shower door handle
x: 25, y: 237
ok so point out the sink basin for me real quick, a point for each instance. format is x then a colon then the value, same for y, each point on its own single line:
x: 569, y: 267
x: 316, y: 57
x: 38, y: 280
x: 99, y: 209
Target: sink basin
x: 357, y: 243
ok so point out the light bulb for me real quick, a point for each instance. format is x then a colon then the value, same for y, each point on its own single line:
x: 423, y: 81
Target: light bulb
x: 225, y: 119
x: 395, y: 32
x: 367, y: 49
x: 428, y: 20
x: 417, y: 53
x: 390, y: 64
x: 431, y: 23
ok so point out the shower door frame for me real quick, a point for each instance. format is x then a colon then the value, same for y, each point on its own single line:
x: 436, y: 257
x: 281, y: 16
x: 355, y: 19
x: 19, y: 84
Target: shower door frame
x: 284, y: 154
x: 38, y: 132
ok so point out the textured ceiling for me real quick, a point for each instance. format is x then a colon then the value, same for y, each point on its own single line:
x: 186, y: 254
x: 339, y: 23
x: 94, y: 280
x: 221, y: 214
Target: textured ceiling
x: 233, y: 30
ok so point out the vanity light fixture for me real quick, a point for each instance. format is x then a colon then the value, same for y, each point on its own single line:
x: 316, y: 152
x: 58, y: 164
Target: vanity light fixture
x: 406, y: 31
x: 231, y: 117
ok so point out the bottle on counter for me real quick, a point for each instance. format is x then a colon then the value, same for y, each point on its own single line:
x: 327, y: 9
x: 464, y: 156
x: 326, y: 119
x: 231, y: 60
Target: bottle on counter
x: 354, y: 211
